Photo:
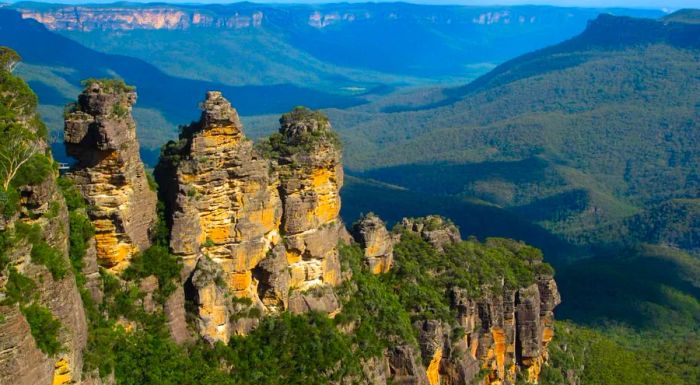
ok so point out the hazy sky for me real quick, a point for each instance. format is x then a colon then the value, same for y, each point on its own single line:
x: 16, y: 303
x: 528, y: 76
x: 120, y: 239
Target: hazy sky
x: 579, y: 3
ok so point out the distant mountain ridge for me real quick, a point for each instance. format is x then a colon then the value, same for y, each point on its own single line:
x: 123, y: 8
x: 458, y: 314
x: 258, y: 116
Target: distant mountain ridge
x: 54, y: 66
x: 582, y: 133
x: 332, y: 41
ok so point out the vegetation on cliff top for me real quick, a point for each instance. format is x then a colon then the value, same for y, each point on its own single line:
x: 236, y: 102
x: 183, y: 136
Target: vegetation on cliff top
x: 302, y: 132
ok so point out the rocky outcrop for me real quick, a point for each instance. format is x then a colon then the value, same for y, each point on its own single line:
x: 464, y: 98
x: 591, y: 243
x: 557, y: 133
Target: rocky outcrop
x: 502, y: 334
x: 267, y: 227
x: 101, y: 134
x: 223, y: 204
x: 434, y: 229
x: 35, y: 269
x: 371, y: 233
x: 311, y: 175
x: 21, y: 361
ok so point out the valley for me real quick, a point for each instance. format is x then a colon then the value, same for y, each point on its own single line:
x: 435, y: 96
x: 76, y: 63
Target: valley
x: 573, y: 130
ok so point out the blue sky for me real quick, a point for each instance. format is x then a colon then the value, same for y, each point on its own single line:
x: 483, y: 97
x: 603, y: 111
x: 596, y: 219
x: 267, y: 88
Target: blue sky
x: 579, y: 3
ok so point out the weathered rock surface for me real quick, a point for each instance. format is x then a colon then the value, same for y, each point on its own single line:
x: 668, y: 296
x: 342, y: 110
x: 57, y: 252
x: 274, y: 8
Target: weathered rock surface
x: 503, y: 334
x: 174, y: 310
x: 434, y: 229
x: 223, y: 203
x: 101, y: 134
x: 371, y: 233
x: 311, y: 175
x: 229, y: 205
x: 21, y: 362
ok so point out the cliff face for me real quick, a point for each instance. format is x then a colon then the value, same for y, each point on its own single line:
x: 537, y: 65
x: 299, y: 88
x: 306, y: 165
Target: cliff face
x: 168, y: 17
x: 502, y: 331
x: 311, y: 176
x: 85, y: 19
x: 371, y: 233
x: 21, y: 360
x: 225, y: 212
x: 36, y: 283
x: 101, y: 134
x: 249, y: 226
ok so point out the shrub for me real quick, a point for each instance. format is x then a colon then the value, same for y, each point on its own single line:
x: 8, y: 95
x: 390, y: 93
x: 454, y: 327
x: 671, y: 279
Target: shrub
x: 158, y: 261
x: 35, y: 171
x: 19, y: 288
x: 108, y: 85
x: 44, y: 254
x: 44, y: 328
x: 81, y: 230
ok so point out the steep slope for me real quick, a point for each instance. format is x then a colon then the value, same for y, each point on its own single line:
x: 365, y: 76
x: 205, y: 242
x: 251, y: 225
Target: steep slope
x: 596, y: 126
x: 43, y: 328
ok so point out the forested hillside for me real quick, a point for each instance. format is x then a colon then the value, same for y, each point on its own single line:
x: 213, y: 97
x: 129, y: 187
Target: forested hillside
x: 592, y: 143
x: 594, y: 129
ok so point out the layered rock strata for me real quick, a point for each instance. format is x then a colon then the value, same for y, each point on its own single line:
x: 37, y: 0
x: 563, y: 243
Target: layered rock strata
x: 21, y: 360
x: 371, y: 233
x: 225, y: 211
x: 311, y: 175
x: 251, y: 226
x: 101, y: 134
x: 502, y: 332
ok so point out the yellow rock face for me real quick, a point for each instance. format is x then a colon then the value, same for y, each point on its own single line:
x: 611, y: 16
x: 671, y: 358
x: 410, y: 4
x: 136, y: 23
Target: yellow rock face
x: 323, y: 182
x: 499, y: 343
x: 110, y: 174
x: 433, y: 371
x: 61, y: 373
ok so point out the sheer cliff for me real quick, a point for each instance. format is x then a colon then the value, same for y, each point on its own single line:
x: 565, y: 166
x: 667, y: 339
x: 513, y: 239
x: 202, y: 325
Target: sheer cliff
x: 43, y: 327
x: 245, y: 272
x: 101, y: 134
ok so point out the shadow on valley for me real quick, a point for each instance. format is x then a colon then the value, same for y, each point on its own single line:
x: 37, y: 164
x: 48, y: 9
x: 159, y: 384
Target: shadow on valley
x: 647, y: 288
x: 452, y: 179
x: 392, y: 203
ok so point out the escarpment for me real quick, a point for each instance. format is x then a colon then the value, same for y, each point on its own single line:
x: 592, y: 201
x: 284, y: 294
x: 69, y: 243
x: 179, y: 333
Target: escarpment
x: 101, y: 135
x: 251, y: 248
x: 494, y: 330
x: 43, y: 328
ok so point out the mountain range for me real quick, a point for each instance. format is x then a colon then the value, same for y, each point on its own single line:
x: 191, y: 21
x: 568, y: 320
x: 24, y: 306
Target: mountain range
x: 571, y: 129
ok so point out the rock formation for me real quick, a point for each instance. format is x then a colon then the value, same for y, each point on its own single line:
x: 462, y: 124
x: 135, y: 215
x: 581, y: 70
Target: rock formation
x: 21, y: 362
x: 225, y: 211
x: 371, y: 233
x: 26, y: 280
x: 228, y: 206
x: 101, y: 134
x: 434, y: 229
x: 311, y: 176
x: 257, y: 229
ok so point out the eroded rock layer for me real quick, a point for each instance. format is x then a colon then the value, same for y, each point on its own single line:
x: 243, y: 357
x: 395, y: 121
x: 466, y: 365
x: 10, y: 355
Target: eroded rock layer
x: 250, y: 225
x: 311, y: 175
x: 224, y: 207
x: 101, y: 134
x: 21, y: 360
x: 371, y: 233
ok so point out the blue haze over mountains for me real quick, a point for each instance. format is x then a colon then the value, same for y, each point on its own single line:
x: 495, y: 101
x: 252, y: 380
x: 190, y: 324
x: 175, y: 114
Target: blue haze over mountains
x: 584, y: 147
